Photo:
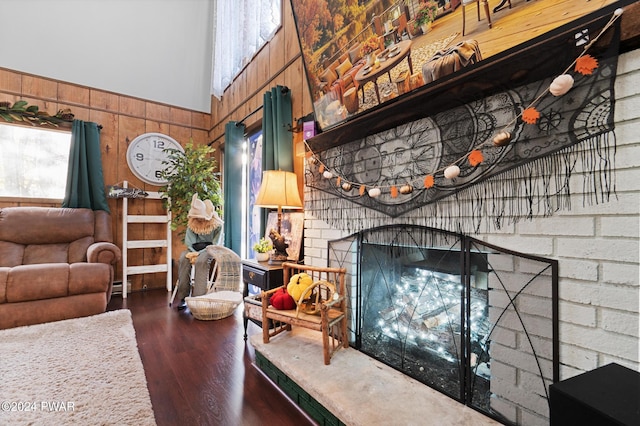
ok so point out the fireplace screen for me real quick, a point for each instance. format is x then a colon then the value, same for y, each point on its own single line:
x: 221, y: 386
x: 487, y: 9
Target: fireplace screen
x: 471, y: 320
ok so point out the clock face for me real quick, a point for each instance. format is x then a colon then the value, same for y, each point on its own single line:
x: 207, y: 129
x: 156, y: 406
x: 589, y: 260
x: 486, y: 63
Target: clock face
x: 145, y: 155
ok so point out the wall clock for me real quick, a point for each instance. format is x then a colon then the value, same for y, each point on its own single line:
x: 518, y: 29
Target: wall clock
x: 145, y: 155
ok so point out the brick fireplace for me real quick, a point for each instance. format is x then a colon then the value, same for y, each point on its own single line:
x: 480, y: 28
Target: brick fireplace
x: 474, y: 321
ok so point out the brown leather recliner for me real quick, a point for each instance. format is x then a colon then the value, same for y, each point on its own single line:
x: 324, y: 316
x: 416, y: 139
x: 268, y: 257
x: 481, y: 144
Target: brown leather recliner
x: 55, y: 264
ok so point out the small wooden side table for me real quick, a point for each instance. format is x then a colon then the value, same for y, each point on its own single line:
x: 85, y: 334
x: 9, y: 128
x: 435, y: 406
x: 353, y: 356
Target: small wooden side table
x: 264, y: 276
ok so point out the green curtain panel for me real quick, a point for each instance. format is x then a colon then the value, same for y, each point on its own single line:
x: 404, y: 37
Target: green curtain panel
x: 277, y: 138
x: 85, y: 183
x: 232, y: 185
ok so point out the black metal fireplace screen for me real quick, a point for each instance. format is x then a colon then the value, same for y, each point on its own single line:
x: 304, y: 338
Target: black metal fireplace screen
x: 472, y: 320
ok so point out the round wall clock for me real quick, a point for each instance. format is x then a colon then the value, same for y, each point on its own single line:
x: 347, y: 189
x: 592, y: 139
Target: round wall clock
x: 145, y: 155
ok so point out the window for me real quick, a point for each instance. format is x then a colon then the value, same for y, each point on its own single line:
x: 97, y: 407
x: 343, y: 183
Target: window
x: 34, y: 162
x: 241, y: 29
x: 254, y: 178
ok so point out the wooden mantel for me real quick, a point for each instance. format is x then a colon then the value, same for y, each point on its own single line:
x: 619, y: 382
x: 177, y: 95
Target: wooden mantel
x: 540, y: 58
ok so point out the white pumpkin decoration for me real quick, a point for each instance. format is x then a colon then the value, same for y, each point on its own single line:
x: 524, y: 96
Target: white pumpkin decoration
x: 374, y: 192
x: 346, y: 186
x: 561, y: 85
x: 452, y: 172
x: 327, y: 174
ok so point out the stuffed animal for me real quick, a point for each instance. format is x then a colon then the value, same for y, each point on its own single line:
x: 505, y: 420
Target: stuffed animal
x: 282, y: 300
x: 298, y: 284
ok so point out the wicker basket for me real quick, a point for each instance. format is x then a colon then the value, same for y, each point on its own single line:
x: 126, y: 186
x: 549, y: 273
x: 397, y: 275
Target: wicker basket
x: 215, y: 305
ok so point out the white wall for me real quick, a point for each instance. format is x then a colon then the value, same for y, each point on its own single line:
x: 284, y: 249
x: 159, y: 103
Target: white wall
x: 597, y: 247
x: 157, y: 50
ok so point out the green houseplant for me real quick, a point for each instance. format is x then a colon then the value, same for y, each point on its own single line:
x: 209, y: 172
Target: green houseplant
x: 262, y: 249
x: 186, y: 174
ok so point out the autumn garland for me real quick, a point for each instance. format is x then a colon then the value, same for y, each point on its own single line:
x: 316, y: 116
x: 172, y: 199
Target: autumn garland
x: 584, y: 64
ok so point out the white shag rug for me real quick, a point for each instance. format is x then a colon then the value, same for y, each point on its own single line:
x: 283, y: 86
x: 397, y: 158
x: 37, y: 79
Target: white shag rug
x: 82, y: 371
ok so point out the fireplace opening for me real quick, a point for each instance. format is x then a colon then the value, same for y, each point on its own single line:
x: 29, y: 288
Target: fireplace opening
x: 474, y: 321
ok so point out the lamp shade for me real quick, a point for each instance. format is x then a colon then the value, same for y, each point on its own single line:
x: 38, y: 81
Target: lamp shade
x: 279, y: 189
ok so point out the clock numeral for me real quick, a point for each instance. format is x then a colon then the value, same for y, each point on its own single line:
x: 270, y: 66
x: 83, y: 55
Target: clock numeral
x: 158, y: 174
x: 158, y: 144
x: 139, y: 156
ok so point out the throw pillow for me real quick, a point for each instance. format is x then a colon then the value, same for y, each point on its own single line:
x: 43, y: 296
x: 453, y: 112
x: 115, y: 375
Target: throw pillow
x: 354, y: 53
x: 328, y: 76
x: 344, y: 67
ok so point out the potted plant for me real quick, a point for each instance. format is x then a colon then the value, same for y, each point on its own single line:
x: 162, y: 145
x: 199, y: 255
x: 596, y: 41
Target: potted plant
x: 262, y: 249
x: 186, y: 174
x: 369, y: 48
x: 426, y: 14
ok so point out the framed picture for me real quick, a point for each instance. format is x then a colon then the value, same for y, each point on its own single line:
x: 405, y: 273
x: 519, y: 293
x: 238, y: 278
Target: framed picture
x: 291, y: 229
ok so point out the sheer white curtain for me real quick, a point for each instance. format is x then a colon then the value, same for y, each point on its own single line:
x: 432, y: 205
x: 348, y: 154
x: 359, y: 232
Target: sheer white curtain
x: 242, y: 27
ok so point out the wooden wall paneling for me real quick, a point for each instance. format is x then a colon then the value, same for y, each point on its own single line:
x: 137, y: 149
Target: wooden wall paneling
x: 73, y: 94
x: 292, y: 75
x: 40, y: 87
x: 108, y: 143
x: 200, y: 135
x: 291, y: 44
x: 149, y: 126
x: 200, y: 120
x: 264, y: 72
x: 132, y: 107
x: 224, y: 104
x: 244, y: 92
x: 252, y: 77
x: 277, y: 52
x: 307, y: 102
x: 99, y: 99
x: 234, y: 98
x: 215, y: 110
x: 182, y: 134
x: 157, y: 112
x: 10, y: 81
x: 180, y: 116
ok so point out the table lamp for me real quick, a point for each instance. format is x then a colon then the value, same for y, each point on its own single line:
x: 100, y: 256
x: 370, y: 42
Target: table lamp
x: 279, y: 189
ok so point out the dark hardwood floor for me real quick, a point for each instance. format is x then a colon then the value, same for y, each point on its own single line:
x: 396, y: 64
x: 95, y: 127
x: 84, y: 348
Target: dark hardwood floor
x: 202, y: 372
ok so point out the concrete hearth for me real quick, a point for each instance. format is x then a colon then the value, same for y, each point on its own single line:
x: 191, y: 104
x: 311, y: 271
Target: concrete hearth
x: 360, y: 390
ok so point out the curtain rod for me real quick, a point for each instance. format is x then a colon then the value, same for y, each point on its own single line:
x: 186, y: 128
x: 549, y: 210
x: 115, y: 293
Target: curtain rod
x: 249, y: 115
x: 238, y: 122
x: 284, y: 90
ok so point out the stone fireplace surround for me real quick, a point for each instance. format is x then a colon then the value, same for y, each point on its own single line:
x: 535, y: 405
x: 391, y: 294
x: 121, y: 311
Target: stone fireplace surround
x: 354, y: 388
